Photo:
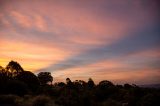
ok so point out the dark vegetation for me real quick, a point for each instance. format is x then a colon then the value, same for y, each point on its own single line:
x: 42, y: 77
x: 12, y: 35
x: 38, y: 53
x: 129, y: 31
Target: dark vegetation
x: 23, y: 88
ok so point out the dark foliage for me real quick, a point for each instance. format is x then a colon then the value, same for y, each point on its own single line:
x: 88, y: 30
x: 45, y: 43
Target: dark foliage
x: 23, y: 88
x: 28, y: 78
x: 14, y: 68
x: 16, y: 87
x: 90, y: 83
x: 45, y: 77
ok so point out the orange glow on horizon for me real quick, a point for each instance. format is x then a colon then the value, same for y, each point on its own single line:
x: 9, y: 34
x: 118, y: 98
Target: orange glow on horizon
x: 81, y: 39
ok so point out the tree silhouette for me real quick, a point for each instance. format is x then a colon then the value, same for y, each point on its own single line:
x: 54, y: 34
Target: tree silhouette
x: 69, y: 83
x: 16, y: 87
x: 80, y: 84
x: 29, y: 78
x: 105, y: 84
x: 4, y: 75
x: 15, y: 81
x: 14, y: 67
x: 45, y: 77
x: 4, y: 78
x: 60, y: 84
x: 68, y: 80
x: 90, y: 83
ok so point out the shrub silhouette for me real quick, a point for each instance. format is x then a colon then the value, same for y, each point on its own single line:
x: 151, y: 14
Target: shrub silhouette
x: 41, y: 100
x: 10, y: 100
x: 90, y: 83
x: 16, y: 87
x: 28, y: 89
x: 28, y: 78
x: 45, y: 77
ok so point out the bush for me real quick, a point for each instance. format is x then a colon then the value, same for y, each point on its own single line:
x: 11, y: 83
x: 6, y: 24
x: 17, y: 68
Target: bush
x: 16, y: 87
x: 10, y: 100
x: 111, y: 102
x: 42, y: 100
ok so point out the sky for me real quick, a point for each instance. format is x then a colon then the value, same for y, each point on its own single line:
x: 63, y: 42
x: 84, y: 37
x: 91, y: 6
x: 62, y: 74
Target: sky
x: 115, y: 40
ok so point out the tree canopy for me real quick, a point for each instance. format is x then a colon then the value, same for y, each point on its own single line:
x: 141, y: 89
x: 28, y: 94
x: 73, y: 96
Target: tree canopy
x: 14, y: 67
x: 45, y: 77
x: 27, y: 87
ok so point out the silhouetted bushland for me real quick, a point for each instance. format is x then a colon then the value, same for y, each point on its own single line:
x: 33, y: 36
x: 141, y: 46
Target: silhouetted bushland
x: 16, y: 87
x: 10, y: 100
x: 28, y: 78
x: 45, y: 77
x: 90, y: 83
x: 24, y: 88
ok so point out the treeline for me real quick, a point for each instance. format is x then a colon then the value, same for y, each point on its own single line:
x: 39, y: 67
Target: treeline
x: 23, y: 88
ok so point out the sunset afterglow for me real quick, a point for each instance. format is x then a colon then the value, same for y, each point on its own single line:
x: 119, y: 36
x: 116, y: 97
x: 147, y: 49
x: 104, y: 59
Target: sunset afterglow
x: 116, y: 40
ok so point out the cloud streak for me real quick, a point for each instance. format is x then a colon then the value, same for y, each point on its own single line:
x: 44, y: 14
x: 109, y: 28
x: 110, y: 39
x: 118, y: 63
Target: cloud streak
x: 69, y: 37
x: 149, y: 38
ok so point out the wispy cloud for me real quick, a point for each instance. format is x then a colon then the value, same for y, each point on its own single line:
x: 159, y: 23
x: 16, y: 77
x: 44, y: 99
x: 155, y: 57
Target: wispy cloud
x: 64, y: 36
x: 149, y: 38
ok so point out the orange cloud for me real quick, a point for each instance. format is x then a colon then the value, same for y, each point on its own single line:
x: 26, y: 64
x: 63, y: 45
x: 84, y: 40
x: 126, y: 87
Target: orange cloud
x: 115, y: 70
x: 31, y: 55
x: 64, y: 29
x: 139, y: 76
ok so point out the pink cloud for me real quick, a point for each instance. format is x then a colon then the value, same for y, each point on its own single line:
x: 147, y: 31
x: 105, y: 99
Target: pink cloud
x: 85, y: 25
x: 29, y: 30
x: 21, y: 19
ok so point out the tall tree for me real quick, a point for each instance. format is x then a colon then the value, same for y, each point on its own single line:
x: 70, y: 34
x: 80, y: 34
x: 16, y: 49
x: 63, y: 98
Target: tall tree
x: 4, y: 74
x: 90, y: 83
x: 14, y: 67
x: 45, y: 77
x: 105, y: 84
x: 28, y: 78
x: 68, y: 80
x: 69, y: 83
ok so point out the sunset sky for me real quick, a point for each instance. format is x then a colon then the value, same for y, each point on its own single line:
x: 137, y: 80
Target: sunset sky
x: 116, y: 40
